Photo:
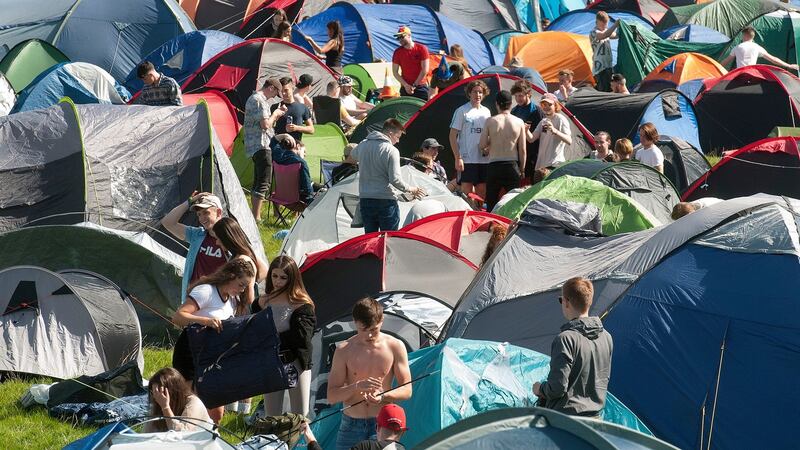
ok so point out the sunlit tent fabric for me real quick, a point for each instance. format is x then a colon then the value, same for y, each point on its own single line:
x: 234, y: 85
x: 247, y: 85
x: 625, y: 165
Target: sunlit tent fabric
x: 726, y: 16
x: 225, y: 16
x: 683, y: 67
x: 401, y: 108
x: 619, y: 213
x: 550, y: 9
x: 652, y: 10
x: 181, y: 56
x: 369, y: 32
x: 683, y: 163
x: 7, y: 96
x: 27, y: 60
x: 368, y: 76
x: 83, y: 83
x: 480, y: 15
x: 223, y: 116
x: 65, y: 324
x: 259, y: 22
x: 699, y: 347
x: 770, y: 166
x: 118, y: 434
x: 500, y: 37
x: 693, y: 33
x: 550, y: 51
x: 243, y: 68
x: 22, y: 20
x: 531, y: 75
x: 771, y: 96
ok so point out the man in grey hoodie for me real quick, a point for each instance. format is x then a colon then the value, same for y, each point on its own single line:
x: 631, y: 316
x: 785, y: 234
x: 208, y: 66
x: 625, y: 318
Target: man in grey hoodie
x: 379, y: 170
x: 580, y: 363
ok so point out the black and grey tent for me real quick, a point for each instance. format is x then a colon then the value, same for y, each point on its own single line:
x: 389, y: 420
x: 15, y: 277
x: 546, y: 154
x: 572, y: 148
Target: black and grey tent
x: 481, y: 15
x: 65, y: 324
x: 683, y: 163
x: 648, y: 187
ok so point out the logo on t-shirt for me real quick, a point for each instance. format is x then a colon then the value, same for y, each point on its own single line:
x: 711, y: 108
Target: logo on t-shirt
x: 210, y: 250
x: 476, y: 130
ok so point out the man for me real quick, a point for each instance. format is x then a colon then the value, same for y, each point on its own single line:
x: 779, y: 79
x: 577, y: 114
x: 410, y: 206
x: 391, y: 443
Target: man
x: 410, y: 65
x: 619, y: 84
x: 529, y: 113
x: 431, y: 147
x: 580, y: 357
x: 363, y: 369
x: 159, y: 89
x: 553, y: 133
x: 351, y: 103
x: 600, y: 38
x: 446, y: 75
x: 303, y: 88
x: 650, y: 154
x: 285, y: 151
x: 602, y: 146
x: 297, y: 118
x: 205, y: 256
x: 565, y: 87
x: 748, y: 52
x: 503, y: 141
x: 379, y: 167
x: 465, y: 135
x: 348, y: 167
x: 347, y: 121
x: 258, y: 130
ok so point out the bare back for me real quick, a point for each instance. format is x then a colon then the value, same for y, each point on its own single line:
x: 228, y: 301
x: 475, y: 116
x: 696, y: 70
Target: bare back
x: 504, y: 133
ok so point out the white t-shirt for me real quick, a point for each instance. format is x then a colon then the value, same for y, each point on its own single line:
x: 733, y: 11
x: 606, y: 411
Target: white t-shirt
x: 650, y: 156
x: 747, y: 53
x: 601, y: 52
x: 349, y: 102
x: 469, y: 122
x: 706, y: 201
x: 210, y: 303
x: 552, y: 150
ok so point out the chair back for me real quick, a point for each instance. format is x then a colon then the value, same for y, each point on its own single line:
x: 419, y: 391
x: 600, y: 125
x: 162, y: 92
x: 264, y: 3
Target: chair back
x: 326, y: 169
x: 287, y: 183
x: 327, y: 110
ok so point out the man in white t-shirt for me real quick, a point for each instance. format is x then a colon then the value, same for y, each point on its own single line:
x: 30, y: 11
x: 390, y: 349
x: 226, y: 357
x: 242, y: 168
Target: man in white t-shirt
x: 602, y: 61
x: 355, y: 107
x: 748, y: 52
x: 650, y: 154
x: 465, y: 134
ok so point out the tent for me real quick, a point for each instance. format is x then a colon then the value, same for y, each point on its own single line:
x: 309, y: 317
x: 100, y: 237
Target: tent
x: 500, y: 37
x: 466, y: 232
x: 652, y: 10
x: 775, y: 32
x: 693, y: 33
x: 8, y: 98
x: 368, y: 76
x: 699, y: 344
x: 619, y: 213
x: 550, y: 51
x: 745, y: 105
x: 83, y: 83
x: 539, y: 428
x: 119, y: 435
x: 550, y: 9
x: 27, y: 60
x: 65, y: 324
x: 480, y: 15
x: 225, y: 16
x: 726, y: 16
x: 683, y: 67
x: 182, y: 55
x: 433, y: 119
x: 400, y: 108
x: 526, y: 73
x: 683, y: 163
x: 365, y: 44
x: 328, y: 220
x: 770, y: 166
x: 243, y: 68
x: 468, y: 377
x: 259, y: 22
x: 621, y: 115
x: 223, y: 116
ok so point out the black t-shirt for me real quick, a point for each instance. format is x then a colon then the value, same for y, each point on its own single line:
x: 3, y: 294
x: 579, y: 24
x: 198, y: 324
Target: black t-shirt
x: 299, y: 114
x: 529, y: 114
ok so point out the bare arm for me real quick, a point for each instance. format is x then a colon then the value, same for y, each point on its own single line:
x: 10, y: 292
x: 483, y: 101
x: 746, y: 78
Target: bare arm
x: 609, y: 32
x: 522, y: 150
x: 535, y: 134
x: 185, y: 315
x: 269, y: 122
x: 396, y: 73
x: 337, y: 390
x: 778, y: 62
x: 659, y: 168
x: 483, y: 143
x: 725, y: 62
x: 308, y: 128
x: 328, y: 46
x: 172, y: 220
x: 402, y: 373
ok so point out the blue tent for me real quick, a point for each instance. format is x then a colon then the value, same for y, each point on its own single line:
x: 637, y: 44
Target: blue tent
x: 468, y: 377
x: 693, y: 33
x: 500, y: 38
x: 550, y: 9
x: 183, y: 55
x: 369, y: 33
x: 83, y: 83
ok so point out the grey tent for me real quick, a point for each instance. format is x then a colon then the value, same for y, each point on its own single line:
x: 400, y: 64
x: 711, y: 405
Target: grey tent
x: 683, y: 163
x: 65, y: 324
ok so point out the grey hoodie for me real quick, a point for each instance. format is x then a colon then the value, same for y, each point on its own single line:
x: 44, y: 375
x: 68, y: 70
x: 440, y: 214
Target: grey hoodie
x: 378, y: 167
x: 580, y: 367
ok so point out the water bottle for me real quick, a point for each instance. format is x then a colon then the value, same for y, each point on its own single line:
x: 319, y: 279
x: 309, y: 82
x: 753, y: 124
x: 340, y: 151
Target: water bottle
x: 289, y: 120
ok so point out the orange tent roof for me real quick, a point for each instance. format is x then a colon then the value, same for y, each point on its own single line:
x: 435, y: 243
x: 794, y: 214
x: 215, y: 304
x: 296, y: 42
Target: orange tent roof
x: 550, y: 51
x: 686, y: 66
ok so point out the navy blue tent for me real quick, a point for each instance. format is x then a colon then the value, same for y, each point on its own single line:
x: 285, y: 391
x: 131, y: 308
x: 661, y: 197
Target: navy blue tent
x: 369, y: 33
x: 182, y: 56
x: 693, y: 33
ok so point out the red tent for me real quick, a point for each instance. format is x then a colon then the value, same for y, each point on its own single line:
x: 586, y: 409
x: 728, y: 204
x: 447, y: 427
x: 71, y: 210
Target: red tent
x: 223, y: 116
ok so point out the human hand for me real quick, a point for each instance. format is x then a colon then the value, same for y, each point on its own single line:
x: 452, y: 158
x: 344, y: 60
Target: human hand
x: 459, y: 165
x: 408, y: 88
x: 793, y: 67
x: 161, y: 396
x: 373, y: 398
x: 369, y: 385
x: 197, y: 196
x: 307, y: 433
x: 291, y: 128
x: 213, y: 323
x: 537, y: 389
x: 418, y: 193
x: 547, y: 126
x: 280, y: 110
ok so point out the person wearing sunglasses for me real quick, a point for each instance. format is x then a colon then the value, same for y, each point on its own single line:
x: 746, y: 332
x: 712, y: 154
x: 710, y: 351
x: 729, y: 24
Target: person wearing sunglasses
x: 410, y: 65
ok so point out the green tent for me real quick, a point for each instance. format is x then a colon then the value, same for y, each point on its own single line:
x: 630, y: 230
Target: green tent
x: 368, y: 76
x: 778, y: 32
x: 726, y: 16
x: 620, y: 213
x: 27, y: 60
x: 400, y: 108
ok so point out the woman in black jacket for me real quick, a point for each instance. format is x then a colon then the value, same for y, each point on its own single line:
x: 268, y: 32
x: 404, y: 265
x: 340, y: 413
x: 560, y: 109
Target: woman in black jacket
x: 293, y: 313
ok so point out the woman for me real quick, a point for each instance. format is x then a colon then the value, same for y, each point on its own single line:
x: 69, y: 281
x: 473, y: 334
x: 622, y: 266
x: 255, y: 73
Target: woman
x: 333, y: 49
x: 553, y: 133
x: 457, y: 54
x: 278, y: 17
x: 232, y: 239
x: 170, y: 395
x: 283, y: 32
x: 211, y: 300
x: 293, y: 313
x: 624, y: 149
x: 650, y: 154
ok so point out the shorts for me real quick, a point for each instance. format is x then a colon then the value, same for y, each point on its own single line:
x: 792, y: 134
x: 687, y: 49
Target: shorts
x: 262, y: 172
x: 474, y: 173
x: 421, y: 92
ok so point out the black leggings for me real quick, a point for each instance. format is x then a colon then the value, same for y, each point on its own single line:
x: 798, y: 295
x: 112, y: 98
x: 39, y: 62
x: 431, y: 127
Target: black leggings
x: 500, y: 175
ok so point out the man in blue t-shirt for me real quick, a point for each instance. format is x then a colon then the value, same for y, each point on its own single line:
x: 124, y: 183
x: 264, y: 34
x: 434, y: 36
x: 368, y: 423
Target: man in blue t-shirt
x: 297, y: 119
x: 529, y: 113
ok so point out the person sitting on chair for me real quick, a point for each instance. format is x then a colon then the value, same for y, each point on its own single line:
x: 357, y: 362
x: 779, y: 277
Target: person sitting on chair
x: 348, y: 167
x: 283, y: 152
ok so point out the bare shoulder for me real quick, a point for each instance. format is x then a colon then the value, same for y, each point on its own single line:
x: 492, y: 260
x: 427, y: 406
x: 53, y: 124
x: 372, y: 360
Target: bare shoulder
x: 396, y: 345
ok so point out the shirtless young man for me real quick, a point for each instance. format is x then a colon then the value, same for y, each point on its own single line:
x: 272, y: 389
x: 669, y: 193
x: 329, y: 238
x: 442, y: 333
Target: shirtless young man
x: 503, y: 141
x: 363, y: 367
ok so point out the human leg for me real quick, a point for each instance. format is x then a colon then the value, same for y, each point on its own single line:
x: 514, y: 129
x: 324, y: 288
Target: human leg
x: 300, y: 396
x: 273, y: 403
x: 262, y: 177
x: 389, y: 215
x: 369, y: 214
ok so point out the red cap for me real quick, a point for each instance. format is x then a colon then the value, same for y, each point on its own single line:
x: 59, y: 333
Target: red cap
x: 393, y: 417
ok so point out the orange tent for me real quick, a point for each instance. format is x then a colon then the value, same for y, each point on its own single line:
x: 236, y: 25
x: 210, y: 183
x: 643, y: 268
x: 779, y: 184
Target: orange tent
x: 686, y: 66
x: 550, y: 51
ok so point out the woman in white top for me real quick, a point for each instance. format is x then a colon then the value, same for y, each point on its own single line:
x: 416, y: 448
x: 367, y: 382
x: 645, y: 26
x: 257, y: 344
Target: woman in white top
x: 231, y: 238
x: 171, y: 395
x: 553, y: 133
x: 650, y: 154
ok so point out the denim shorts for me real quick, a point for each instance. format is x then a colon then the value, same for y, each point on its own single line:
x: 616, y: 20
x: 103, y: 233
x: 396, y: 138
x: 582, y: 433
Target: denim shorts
x: 352, y: 431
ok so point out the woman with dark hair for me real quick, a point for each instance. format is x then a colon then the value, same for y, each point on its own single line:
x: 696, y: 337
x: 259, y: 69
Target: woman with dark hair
x: 293, y: 313
x: 171, y: 395
x: 333, y: 49
x: 232, y: 239
x: 283, y: 31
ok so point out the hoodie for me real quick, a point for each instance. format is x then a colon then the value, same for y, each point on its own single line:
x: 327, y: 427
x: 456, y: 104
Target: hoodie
x: 580, y: 367
x: 378, y: 167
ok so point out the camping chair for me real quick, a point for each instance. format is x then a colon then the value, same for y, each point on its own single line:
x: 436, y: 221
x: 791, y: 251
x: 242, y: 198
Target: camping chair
x: 286, y: 193
x: 326, y: 170
x: 328, y: 110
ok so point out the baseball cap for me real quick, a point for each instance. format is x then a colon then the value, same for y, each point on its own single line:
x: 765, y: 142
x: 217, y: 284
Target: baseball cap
x: 305, y: 80
x: 402, y: 31
x: 393, y: 417
x: 207, y: 202
x: 345, y: 81
x: 430, y: 143
x: 549, y: 98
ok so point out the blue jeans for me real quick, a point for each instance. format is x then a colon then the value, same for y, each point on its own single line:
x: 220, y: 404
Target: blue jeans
x: 352, y: 431
x: 379, y: 214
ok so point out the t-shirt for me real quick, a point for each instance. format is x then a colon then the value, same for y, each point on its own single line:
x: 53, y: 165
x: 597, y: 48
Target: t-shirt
x: 209, y: 258
x: 410, y: 61
x: 529, y: 114
x: 650, y: 156
x: 747, y: 53
x: 601, y: 52
x: 560, y: 97
x: 255, y: 137
x: 552, y: 150
x: 349, y: 102
x: 210, y: 303
x: 469, y: 122
x: 299, y: 114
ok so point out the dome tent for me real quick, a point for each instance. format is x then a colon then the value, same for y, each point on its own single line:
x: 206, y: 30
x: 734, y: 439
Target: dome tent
x: 652, y: 10
x: 684, y: 67
x: 683, y: 164
x: 400, y: 108
x: 368, y: 76
x: 480, y: 15
x: 550, y: 51
x: 27, y: 60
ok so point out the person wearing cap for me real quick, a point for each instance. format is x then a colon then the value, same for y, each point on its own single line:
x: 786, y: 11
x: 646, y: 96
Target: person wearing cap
x: 446, y: 75
x: 619, y: 84
x: 258, y: 130
x: 503, y: 140
x: 352, y: 104
x: 565, y: 87
x: 333, y: 50
x: 302, y: 89
x: 410, y: 65
x: 348, y: 166
x: 205, y: 255
x: 431, y: 147
x: 391, y: 425
x: 600, y: 38
x: 465, y: 135
x: 297, y: 119
x: 346, y: 121
x: 553, y: 133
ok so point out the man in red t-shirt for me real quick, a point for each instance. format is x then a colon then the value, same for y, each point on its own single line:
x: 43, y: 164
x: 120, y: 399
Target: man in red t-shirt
x: 412, y: 60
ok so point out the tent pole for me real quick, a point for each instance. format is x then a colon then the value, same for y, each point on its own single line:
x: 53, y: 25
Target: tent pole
x: 716, y: 387
x: 537, y: 15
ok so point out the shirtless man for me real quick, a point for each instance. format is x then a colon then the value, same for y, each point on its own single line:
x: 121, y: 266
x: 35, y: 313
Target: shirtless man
x: 503, y: 141
x: 363, y: 367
